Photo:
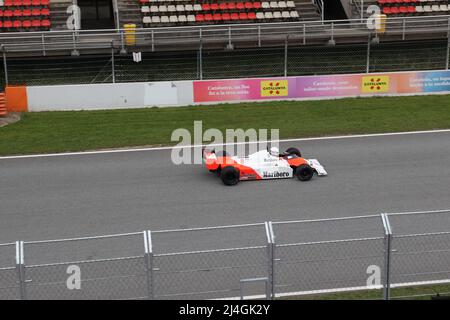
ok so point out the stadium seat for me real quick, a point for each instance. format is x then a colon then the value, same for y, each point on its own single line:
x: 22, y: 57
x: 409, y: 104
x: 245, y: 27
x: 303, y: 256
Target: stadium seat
x: 251, y: 16
x: 191, y: 18
x: 147, y: 20
x: 226, y: 16
x: 45, y: 23
x: 199, y: 18
x: 243, y: 16
x: 182, y: 18
x: 17, y: 13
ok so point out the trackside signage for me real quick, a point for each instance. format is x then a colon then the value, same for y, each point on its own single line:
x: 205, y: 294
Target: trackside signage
x: 327, y: 86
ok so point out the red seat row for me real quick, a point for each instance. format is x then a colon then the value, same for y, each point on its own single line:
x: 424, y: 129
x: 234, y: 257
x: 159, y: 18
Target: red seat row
x: 25, y: 3
x: 397, y: 10
x: 25, y: 24
x: 231, y: 6
x: 225, y: 16
x: 25, y: 12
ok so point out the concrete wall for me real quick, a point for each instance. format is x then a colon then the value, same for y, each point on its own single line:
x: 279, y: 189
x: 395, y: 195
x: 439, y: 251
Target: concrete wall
x: 183, y: 93
x: 109, y: 96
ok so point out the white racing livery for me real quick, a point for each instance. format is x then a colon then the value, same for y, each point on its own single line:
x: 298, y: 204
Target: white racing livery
x: 263, y: 165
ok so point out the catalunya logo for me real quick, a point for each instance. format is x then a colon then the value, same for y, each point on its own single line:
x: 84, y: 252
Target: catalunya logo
x: 278, y: 88
x: 375, y: 84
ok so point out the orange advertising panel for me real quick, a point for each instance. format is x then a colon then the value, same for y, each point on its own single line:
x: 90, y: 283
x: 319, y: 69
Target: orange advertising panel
x: 16, y: 99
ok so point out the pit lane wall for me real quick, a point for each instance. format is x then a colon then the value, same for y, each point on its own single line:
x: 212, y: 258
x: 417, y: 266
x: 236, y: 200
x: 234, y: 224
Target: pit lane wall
x: 183, y: 93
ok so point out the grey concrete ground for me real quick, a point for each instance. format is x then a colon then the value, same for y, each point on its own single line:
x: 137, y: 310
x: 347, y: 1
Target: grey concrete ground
x: 83, y: 195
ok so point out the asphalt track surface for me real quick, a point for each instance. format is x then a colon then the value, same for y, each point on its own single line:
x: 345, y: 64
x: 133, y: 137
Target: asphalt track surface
x: 95, y: 194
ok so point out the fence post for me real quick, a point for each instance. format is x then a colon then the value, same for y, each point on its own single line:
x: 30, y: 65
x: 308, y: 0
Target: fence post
x: 5, y: 65
x: 113, y: 69
x: 362, y: 11
x: 448, y: 47
x: 286, y: 56
x: 148, y: 257
x: 387, y: 256
x: 199, y: 58
x: 270, y: 260
x: 20, y: 266
x: 368, y: 55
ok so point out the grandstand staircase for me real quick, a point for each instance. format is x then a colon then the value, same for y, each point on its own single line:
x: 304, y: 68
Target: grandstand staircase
x: 129, y: 12
x: 307, y: 10
x: 59, y: 14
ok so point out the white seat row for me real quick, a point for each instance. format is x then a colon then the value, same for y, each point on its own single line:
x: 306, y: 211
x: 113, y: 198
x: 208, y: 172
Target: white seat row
x: 171, y: 8
x: 169, y: 19
x: 191, y: 17
x: 275, y: 4
x: 433, y: 8
x: 198, y: 7
x: 277, y: 15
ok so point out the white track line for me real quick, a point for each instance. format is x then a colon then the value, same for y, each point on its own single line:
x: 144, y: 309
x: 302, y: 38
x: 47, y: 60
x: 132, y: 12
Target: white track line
x: 224, y: 144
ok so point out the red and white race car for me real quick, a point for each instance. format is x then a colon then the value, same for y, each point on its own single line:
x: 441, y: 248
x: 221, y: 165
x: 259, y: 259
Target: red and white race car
x: 262, y: 165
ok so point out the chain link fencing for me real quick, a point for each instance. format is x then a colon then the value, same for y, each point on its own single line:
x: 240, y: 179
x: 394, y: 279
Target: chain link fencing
x: 292, y: 59
x: 374, y: 255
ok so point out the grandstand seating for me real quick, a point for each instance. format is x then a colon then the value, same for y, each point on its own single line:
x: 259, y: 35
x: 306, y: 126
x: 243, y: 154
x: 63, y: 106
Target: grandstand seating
x: 414, y: 7
x: 25, y: 15
x: 180, y: 12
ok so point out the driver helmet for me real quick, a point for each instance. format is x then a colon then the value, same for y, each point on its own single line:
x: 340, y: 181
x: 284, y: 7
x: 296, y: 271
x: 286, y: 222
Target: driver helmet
x: 274, y: 151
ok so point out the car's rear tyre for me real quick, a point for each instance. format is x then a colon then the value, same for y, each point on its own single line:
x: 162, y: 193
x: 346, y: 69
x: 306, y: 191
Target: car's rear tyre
x: 304, y: 172
x: 229, y: 176
x: 293, y: 151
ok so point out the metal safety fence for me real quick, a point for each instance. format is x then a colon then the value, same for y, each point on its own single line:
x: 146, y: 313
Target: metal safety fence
x: 373, y: 255
x: 290, y: 59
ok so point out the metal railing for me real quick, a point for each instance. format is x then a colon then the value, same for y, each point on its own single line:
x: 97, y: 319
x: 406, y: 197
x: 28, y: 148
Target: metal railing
x: 182, y: 38
x: 374, y: 254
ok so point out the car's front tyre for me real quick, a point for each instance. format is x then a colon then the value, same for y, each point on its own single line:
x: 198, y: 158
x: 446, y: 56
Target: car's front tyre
x: 304, y: 172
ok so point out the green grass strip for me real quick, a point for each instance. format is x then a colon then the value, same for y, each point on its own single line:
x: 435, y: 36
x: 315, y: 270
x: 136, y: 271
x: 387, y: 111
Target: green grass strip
x: 46, y: 132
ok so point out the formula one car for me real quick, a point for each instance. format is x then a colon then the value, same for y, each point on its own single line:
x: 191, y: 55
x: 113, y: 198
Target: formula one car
x: 262, y: 165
